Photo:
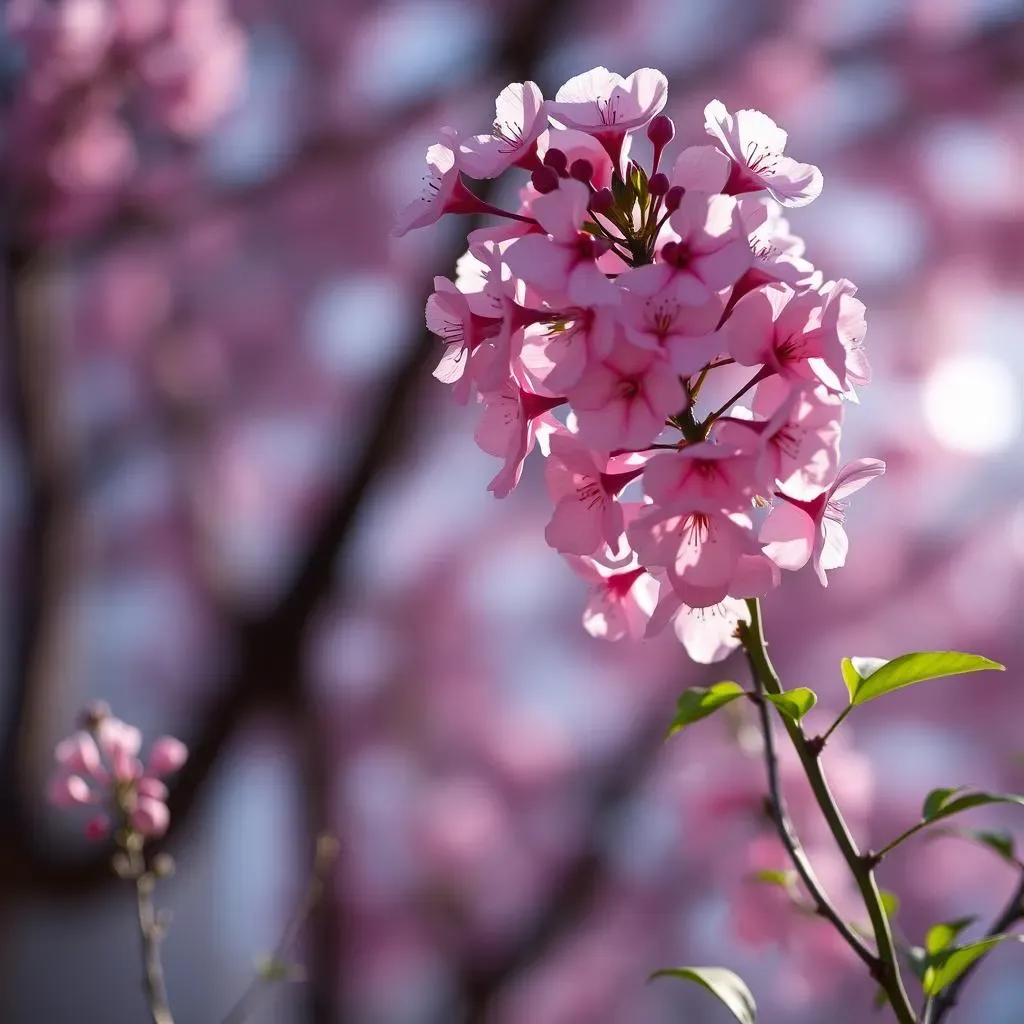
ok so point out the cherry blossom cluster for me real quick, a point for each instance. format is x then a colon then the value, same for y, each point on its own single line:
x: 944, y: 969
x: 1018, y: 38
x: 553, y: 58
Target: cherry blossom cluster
x: 589, y: 323
x: 99, y: 766
x: 93, y: 71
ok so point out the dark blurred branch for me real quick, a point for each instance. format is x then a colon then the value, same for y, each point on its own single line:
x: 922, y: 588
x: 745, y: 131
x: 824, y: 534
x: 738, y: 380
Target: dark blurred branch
x: 573, y: 889
x: 32, y: 396
x: 270, y: 646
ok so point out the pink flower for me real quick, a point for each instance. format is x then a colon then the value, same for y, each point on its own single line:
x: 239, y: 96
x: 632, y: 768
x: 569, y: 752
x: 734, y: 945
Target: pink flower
x: 443, y: 190
x: 801, y: 435
x: 609, y: 106
x: 564, y: 349
x: 711, y: 252
x: 520, y: 116
x: 623, y: 400
x: 587, y: 514
x: 794, y: 334
x: 450, y: 317
x: 701, y: 168
x: 563, y: 263
x: 755, y: 143
x: 798, y: 531
x: 619, y: 603
x: 101, y: 765
x: 708, y: 634
x: 703, y: 476
x: 508, y: 429
x: 662, y: 322
x: 700, y: 551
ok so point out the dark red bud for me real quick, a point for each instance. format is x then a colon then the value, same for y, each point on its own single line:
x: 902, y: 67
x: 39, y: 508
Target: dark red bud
x: 661, y: 131
x: 581, y: 170
x: 544, y: 180
x: 673, y: 197
x: 557, y: 161
x: 602, y: 200
x: 669, y: 250
x: 658, y: 185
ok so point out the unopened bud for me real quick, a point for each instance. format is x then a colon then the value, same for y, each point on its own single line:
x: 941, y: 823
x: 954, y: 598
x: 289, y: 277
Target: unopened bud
x: 602, y: 201
x: 658, y: 185
x: 557, y: 161
x: 581, y: 170
x: 669, y: 250
x: 163, y: 865
x: 661, y: 131
x: 673, y: 197
x: 544, y: 180
x: 94, y: 715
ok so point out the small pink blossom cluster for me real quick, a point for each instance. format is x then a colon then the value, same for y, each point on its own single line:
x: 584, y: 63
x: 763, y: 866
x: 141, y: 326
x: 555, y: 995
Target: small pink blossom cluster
x: 99, y: 766
x: 91, y: 67
x: 616, y: 294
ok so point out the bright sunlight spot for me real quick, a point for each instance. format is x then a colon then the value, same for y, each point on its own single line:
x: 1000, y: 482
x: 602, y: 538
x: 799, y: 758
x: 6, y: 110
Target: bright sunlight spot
x: 972, y: 404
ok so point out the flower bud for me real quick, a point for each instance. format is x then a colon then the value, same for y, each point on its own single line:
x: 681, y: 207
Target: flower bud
x: 581, y: 170
x: 544, y: 180
x: 557, y: 161
x: 661, y: 131
x: 673, y: 197
x: 658, y: 185
x: 167, y: 755
x: 602, y: 200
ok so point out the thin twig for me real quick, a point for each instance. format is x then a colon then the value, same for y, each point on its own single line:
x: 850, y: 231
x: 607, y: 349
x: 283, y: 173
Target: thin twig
x: 791, y: 842
x: 326, y: 849
x: 150, y: 935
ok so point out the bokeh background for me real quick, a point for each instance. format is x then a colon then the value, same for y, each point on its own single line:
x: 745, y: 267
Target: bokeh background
x: 235, y: 505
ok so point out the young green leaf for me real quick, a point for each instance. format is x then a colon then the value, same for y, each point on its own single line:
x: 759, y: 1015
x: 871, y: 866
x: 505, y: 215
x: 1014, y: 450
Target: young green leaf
x: 698, y: 702
x: 935, y: 799
x: 783, y: 879
x: 868, y: 678
x: 945, y: 967
x: 890, y: 903
x: 942, y: 936
x: 795, y: 703
x: 722, y: 983
x: 944, y: 803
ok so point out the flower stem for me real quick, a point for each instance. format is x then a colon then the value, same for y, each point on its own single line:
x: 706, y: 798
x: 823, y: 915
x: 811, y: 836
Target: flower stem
x: 720, y: 412
x: 150, y: 932
x: 886, y: 969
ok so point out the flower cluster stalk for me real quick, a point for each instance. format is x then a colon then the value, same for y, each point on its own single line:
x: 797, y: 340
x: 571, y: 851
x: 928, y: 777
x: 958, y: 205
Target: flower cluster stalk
x: 885, y: 964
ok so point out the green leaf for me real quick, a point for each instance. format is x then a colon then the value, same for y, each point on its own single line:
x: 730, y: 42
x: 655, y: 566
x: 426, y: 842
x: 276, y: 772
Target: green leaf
x: 944, y: 803
x: 890, y: 903
x: 795, y: 703
x: 880, y: 1000
x: 999, y: 842
x: 942, y: 936
x: 783, y: 879
x: 698, y: 702
x: 722, y: 983
x: 947, y: 966
x: 868, y: 678
x: 935, y: 799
